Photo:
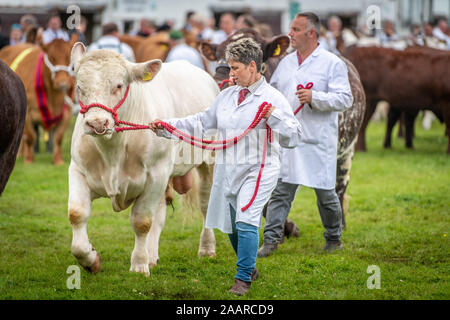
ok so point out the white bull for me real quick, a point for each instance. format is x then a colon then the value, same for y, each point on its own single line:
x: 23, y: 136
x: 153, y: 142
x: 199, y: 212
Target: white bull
x: 132, y: 167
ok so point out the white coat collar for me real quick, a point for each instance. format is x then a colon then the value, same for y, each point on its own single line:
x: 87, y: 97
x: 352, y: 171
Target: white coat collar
x: 312, y: 56
x: 258, y: 91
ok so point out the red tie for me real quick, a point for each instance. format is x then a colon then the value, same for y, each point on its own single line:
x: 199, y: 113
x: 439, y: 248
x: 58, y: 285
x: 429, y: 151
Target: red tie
x: 299, y: 58
x: 242, y: 95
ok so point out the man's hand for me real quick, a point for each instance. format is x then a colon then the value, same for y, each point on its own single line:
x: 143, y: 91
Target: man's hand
x: 155, y: 125
x: 232, y: 82
x: 304, y: 96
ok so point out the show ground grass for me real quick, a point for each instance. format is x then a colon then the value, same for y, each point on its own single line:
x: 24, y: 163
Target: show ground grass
x: 398, y: 220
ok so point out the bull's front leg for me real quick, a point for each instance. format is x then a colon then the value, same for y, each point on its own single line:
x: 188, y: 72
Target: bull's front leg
x: 79, y: 210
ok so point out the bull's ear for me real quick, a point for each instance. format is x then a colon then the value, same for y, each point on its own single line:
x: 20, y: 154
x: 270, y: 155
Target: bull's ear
x: 146, y: 71
x: 277, y: 46
x: 209, y: 50
x: 40, y: 40
x: 77, y: 53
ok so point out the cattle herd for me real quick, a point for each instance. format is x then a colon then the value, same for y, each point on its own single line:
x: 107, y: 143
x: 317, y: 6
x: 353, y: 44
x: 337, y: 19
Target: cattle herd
x: 123, y: 166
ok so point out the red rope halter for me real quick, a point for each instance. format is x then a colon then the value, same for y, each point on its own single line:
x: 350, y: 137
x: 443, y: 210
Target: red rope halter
x: 223, y: 83
x: 309, y: 85
x: 194, y: 141
x: 113, y: 111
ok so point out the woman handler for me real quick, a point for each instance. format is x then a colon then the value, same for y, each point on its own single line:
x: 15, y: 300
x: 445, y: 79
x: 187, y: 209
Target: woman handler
x: 246, y: 173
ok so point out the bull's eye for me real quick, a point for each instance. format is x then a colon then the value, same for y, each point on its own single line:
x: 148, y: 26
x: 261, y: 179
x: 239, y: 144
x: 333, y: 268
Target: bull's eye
x: 119, y: 86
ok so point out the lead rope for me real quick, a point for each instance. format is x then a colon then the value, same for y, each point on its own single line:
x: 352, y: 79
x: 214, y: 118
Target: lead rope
x: 223, y: 144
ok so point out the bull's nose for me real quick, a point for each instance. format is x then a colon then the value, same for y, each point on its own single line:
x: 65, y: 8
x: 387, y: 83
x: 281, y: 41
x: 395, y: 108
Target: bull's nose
x: 62, y: 86
x: 98, y: 126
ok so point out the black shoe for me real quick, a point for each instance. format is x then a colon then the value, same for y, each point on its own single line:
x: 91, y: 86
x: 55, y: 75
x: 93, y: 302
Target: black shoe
x: 331, y: 245
x: 267, y: 249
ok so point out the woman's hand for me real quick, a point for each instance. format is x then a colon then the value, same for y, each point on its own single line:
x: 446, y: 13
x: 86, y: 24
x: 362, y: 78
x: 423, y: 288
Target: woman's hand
x: 155, y: 125
x: 269, y: 112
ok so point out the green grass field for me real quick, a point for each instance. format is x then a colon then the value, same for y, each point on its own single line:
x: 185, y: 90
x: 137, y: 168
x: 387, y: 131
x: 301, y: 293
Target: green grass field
x: 398, y: 220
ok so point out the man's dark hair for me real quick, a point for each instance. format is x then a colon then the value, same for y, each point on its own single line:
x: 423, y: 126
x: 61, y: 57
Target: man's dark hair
x: 109, y: 28
x: 313, y: 21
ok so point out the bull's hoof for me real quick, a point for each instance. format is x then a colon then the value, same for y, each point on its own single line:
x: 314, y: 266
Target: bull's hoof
x: 206, y: 253
x: 140, y: 268
x: 95, y: 267
x: 153, y: 263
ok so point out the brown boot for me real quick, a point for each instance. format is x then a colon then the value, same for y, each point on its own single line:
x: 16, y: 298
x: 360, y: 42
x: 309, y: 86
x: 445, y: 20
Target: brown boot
x: 240, y: 287
x: 255, y: 274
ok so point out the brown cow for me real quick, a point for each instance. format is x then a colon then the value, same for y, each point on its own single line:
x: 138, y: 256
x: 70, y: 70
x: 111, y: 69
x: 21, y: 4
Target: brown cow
x: 409, y: 80
x: 156, y: 46
x: 57, y: 84
x: 349, y: 121
x: 13, y: 108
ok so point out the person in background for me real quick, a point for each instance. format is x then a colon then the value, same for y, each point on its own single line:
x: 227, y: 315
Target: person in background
x: 227, y: 26
x: 15, y: 36
x: 27, y: 22
x: 388, y: 33
x: 234, y: 207
x: 166, y: 26
x: 147, y: 28
x: 4, y: 39
x: 246, y: 21
x: 188, y: 24
x: 416, y: 36
x: 440, y: 32
x: 181, y: 51
x: 429, y: 39
x: 265, y: 30
x: 200, y: 27
x: 110, y: 40
x: 328, y: 40
x: 54, y: 30
x: 80, y: 30
x: 325, y: 91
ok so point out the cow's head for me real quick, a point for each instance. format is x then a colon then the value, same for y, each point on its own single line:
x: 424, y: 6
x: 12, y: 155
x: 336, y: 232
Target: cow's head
x: 273, y: 51
x: 57, y: 60
x: 102, y: 77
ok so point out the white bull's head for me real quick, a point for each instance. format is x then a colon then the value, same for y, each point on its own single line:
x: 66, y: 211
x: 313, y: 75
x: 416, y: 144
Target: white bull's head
x: 102, y: 78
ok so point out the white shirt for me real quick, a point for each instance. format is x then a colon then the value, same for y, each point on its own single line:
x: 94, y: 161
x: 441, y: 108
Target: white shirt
x: 236, y: 168
x: 313, y: 162
x: 113, y: 43
x: 49, y: 35
x: 437, y: 33
x: 185, y: 52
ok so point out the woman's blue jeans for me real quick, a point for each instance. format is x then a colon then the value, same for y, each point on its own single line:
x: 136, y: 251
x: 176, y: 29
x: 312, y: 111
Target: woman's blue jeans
x: 245, y: 240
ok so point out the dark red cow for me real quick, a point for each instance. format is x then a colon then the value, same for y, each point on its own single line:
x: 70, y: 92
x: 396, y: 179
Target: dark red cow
x: 13, y: 109
x: 410, y: 80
